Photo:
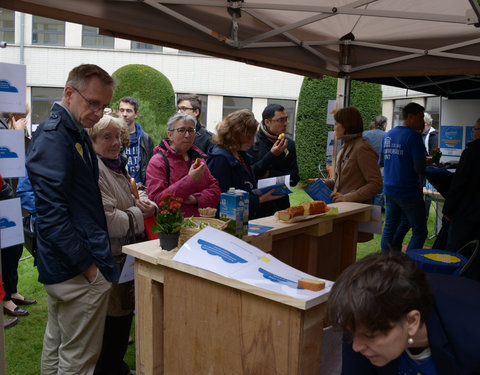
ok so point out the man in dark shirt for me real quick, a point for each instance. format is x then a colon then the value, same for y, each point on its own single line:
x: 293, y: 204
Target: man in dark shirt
x: 192, y: 104
x: 278, y: 157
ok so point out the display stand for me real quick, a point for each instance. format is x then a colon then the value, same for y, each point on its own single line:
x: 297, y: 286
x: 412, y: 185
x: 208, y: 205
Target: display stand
x: 192, y: 321
x: 322, y: 246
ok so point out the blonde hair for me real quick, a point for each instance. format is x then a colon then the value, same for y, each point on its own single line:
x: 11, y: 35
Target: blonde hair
x: 103, y: 123
x: 9, y: 115
x: 235, y: 129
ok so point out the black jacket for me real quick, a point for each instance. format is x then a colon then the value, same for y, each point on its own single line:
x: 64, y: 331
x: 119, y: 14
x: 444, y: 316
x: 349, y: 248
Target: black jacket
x: 72, y: 229
x: 203, y: 138
x: 280, y: 165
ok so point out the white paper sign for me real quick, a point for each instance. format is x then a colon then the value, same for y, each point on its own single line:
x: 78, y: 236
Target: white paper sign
x: 332, y: 108
x: 229, y: 256
x: 128, y: 270
x: 13, y: 87
x: 12, y: 153
x: 11, y: 225
x: 375, y: 223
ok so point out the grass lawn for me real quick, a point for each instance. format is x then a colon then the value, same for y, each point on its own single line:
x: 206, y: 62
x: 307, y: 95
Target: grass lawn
x: 24, y: 341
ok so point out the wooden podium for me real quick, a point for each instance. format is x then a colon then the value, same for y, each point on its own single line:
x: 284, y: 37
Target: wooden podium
x: 192, y: 321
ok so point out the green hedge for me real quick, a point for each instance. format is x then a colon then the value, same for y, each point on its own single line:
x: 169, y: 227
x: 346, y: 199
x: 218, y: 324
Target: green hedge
x: 154, y: 93
x: 311, y: 129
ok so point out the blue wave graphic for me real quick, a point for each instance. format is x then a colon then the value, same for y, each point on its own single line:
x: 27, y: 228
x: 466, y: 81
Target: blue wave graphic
x: 215, y: 250
x: 277, y: 279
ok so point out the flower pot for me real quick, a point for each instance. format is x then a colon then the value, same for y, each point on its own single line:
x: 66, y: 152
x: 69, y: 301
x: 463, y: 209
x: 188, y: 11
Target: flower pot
x: 168, y: 241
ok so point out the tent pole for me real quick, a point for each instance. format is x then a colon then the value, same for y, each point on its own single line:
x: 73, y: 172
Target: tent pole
x: 343, y: 100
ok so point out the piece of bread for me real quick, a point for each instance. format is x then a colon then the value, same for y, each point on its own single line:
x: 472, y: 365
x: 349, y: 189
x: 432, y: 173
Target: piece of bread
x: 291, y: 212
x: 197, y: 163
x: 281, y: 136
x: 133, y: 185
x: 318, y: 207
x: 311, y: 284
x: 306, y: 208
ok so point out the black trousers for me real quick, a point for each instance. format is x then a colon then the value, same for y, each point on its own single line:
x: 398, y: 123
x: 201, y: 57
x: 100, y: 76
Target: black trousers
x: 114, y: 347
x: 10, y: 257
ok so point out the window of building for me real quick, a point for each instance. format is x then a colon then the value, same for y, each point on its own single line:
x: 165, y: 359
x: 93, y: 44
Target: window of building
x: 145, y: 46
x: 91, y: 38
x: 432, y: 106
x: 7, y: 25
x: 203, y: 114
x: 397, y: 111
x: 234, y: 103
x: 290, y: 107
x: 47, y: 31
x: 42, y: 101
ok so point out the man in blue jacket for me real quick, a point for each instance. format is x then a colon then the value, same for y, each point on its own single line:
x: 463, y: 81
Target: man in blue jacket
x: 73, y: 257
x: 140, y: 150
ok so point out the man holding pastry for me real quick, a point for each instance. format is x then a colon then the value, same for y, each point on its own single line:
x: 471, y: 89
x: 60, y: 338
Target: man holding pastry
x: 275, y: 153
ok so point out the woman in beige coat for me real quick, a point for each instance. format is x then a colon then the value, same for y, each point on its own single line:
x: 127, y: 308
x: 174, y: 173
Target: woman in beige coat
x: 118, y: 203
x: 357, y: 177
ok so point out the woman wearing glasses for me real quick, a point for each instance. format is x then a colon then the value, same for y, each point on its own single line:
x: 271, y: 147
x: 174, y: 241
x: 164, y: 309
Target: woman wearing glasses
x: 172, y: 168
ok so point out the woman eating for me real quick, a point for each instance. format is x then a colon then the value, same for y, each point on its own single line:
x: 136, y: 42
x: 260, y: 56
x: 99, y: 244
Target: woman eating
x: 178, y: 167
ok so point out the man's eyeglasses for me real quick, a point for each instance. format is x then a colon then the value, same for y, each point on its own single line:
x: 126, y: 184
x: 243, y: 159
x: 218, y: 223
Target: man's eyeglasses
x: 93, y: 106
x: 280, y: 119
x: 183, y: 109
x: 182, y: 131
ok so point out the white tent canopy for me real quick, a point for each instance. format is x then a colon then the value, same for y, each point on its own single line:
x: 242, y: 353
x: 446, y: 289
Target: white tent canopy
x: 426, y: 45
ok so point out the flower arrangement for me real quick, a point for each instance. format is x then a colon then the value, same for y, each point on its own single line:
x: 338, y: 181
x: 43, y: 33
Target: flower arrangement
x: 436, y: 154
x: 169, y: 217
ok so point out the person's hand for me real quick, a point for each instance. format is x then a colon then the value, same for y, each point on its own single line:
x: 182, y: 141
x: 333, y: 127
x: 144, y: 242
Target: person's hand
x: 197, y: 173
x: 190, y: 200
x: 19, y: 124
x: 279, y: 146
x: 91, y: 273
x: 269, y: 197
x: 337, y: 197
x: 147, y: 208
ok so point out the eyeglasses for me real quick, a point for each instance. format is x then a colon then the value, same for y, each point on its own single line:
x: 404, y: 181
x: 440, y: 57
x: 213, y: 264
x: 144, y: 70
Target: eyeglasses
x: 182, y: 131
x: 183, y: 109
x: 93, y: 106
x: 281, y: 119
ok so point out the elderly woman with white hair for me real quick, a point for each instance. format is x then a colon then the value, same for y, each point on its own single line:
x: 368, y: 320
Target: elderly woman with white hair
x: 178, y: 167
x: 124, y: 213
x: 430, y: 134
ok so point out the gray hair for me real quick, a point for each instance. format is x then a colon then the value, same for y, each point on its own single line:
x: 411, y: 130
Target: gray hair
x: 380, y: 122
x: 427, y: 118
x: 180, y: 116
x: 103, y: 123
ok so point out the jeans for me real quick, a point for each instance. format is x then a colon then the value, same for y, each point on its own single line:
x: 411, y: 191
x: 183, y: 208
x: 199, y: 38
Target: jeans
x: 413, y: 209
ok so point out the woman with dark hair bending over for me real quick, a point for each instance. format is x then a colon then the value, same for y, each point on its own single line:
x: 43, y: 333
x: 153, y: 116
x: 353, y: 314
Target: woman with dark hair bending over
x: 398, y: 320
x: 229, y: 161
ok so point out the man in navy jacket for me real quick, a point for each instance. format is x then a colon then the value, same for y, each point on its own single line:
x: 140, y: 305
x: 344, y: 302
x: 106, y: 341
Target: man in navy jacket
x: 74, y: 258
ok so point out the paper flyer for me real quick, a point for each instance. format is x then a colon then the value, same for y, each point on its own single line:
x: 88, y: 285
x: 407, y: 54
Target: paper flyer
x: 128, y: 270
x: 13, y: 87
x: 281, y: 184
x: 226, y: 255
x: 256, y: 229
x: 12, y: 153
x: 318, y: 191
x: 11, y: 225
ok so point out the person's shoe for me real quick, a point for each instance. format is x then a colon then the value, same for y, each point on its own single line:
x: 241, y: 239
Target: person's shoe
x: 9, y: 322
x: 23, y: 301
x: 17, y: 312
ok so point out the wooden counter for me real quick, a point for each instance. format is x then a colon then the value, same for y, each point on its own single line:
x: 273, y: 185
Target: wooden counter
x: 192, y: 321
x: 322, y: 246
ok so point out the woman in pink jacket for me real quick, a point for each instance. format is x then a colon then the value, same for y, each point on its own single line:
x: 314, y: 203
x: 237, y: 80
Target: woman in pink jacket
x: 172, y: 168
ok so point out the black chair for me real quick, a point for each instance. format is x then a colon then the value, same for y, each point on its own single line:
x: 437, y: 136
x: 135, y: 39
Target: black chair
x: 472, y: 268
